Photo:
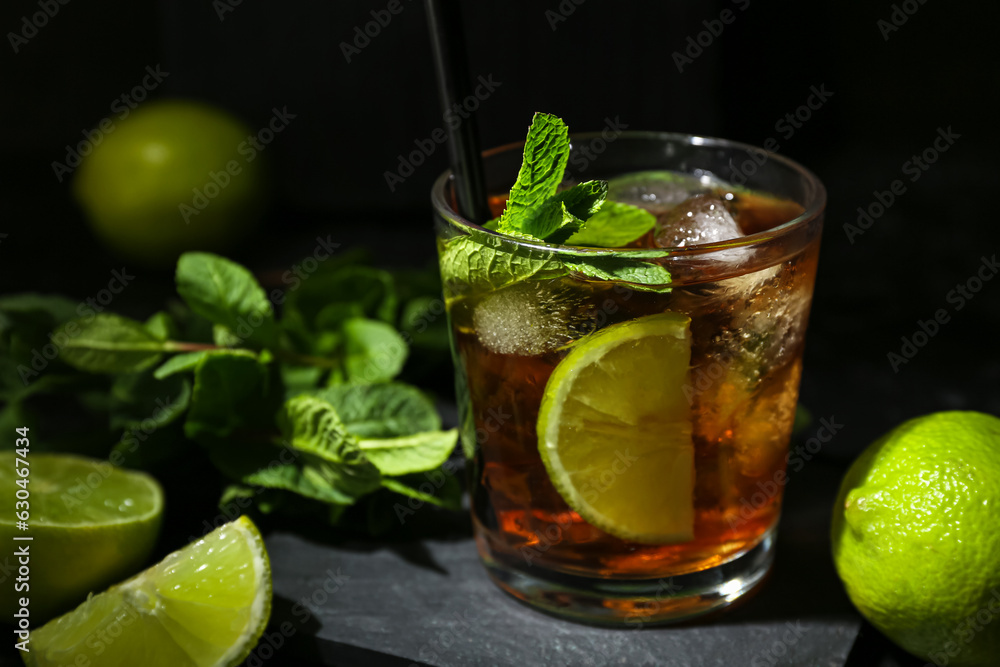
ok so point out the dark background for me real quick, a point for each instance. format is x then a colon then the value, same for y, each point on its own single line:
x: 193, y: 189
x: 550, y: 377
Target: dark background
x: 891, y: 93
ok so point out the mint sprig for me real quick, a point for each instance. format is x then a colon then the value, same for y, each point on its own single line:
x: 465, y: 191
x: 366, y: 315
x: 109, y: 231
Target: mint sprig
x: 301, y: 413
x: 546, y: 151
x: 538, y: 211
x: 615, y: 225
x: 483, y: 261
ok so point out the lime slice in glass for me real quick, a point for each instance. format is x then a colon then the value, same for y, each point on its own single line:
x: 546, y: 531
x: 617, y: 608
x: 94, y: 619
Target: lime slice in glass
x: 205, y: 605
x: 614, y: 430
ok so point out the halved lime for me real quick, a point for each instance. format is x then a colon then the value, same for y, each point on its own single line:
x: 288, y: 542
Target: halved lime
x: 104, y: 519
x: 614, y: 430
x: 205, y: 605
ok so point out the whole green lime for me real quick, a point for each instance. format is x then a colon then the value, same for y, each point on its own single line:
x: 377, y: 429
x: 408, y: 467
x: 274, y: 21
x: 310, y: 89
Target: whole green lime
x: 916, y: 537
x: 170, y: 177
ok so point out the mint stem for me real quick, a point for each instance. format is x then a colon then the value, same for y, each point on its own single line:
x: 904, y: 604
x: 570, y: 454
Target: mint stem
x: 180, y: 346
x: 281, y: 355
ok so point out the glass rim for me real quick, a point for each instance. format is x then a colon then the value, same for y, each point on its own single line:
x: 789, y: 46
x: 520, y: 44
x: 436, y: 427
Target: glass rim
x: 813, y: 208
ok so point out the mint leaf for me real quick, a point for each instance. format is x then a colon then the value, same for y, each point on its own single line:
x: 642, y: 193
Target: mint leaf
x: 565, y: 211
x: 149, y: 451
x: 138, y: 400
x: 45, y: 309
x: 319, y: 460
x: 223, y: 336
x: 410, y: 453
x: 333, y: 315
x: 107, y: 343
x: 226, y: 293
x: 584, y: 199
x: 382, y: 410
x: 546, y: 151
x: 162, y: 326
x: 14, y: 415
x: 311, y: 424
x: 331, y: 462
x: 644, y: 275
x: 230, y: 392
x: 190, y: 360
x: 615, y: 225
x: 482, y: 261
x: 326, y: 299
x: 299, y: 379
x: 423, y: 321
x: 447, y: 494
x: 372, y: 351
x: 311, y: 476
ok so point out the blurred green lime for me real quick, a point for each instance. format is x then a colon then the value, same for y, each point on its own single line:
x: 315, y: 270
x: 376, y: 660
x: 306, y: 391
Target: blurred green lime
x: 916, y: 537
x: 172, y: 176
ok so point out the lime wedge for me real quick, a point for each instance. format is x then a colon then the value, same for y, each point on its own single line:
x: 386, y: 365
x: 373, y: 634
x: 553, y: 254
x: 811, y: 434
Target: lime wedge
x: 205, y: 605
x: 614, y: 430
x: 105, y: 519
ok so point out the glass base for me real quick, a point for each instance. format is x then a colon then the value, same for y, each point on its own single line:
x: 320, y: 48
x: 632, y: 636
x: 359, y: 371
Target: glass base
x: 636, y: 602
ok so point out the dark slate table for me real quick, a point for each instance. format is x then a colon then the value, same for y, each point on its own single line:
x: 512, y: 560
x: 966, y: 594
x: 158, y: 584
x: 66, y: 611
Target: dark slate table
x: 429, y: 602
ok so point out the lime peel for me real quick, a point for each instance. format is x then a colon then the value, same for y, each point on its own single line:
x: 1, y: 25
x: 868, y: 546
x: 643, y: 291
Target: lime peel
x: 914, y: 538
x: 205, y: 605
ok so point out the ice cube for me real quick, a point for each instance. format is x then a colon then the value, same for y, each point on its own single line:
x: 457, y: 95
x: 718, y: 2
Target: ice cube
x: 658, y: 191
x: 768, y: 310
x: 700, y: 219
x: 530, y: 318
x: 772, y: 323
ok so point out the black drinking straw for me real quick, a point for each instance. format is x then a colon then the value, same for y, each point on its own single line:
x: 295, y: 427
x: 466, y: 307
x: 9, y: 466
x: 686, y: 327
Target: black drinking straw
x: 448, y: 43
